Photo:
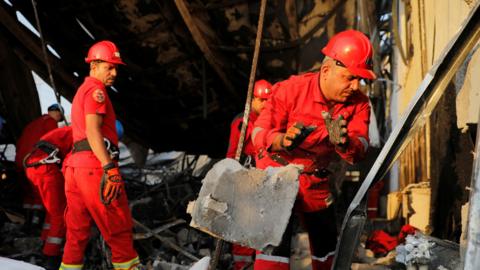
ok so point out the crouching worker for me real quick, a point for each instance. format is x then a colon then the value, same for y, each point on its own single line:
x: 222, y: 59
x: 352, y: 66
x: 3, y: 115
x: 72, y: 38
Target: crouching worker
x: 43, y: 169
x: 310, y: 119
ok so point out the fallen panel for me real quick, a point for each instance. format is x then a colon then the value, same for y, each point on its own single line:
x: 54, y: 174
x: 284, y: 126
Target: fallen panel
x: 201, y: 264
x: 250, y: 207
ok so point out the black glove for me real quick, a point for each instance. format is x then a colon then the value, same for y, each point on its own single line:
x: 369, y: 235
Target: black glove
x: 295, y: 135
x: 337, y: 130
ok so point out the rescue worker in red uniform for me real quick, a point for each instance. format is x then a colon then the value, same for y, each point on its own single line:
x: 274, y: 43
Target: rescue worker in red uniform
x: 43, y: 169
x: 94, y: 188
x: 261, y: 92
x: 29, y: 136
x: 309, y: 119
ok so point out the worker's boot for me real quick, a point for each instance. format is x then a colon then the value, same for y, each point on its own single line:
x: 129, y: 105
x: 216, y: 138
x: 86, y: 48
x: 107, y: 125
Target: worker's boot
x: 52, y: 262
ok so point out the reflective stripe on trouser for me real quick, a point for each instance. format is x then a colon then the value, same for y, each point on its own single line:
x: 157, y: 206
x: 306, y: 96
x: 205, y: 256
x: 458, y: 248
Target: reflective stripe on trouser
x: 84, y: 207
x: 322, y: 234
x: 279, y: 259
x: 271, y: 262
x: 54, y: 240
x: 49, y: 181
x: 46, y: 227
x: 34, y: 206
x: 126, y: 265
x: 31, y: 196
x: 323, y: 263
x: 241, y: 256
x: 65, y: 266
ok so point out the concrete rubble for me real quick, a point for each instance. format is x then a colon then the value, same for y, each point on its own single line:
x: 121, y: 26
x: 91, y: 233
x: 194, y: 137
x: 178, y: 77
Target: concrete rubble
x: 422, y: 250
x: 415, y: 251
x: 246, y: 206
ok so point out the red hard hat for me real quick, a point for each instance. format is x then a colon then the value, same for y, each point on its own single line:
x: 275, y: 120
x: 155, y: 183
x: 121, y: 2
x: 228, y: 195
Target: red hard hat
x: 354, y: 50
x: 262, y: 89
x: 104, y: 51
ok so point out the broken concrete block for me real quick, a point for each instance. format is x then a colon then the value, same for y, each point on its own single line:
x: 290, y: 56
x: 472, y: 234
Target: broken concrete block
x: 250, y: 207
x: 212, y: 204
x: 202, y: 264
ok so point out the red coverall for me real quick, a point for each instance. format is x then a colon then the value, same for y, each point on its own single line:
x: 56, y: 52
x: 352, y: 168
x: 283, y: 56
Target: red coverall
x: 83, y: 174
x: 48, y: 179
x: 241, y: 255
x: 300, y: 99
x: 30, y: 135
x: 235, y: 128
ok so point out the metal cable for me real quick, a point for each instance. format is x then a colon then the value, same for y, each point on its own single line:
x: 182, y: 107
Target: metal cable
x: 47, y: 63
x: 251, y: 81
x: 219, y: 244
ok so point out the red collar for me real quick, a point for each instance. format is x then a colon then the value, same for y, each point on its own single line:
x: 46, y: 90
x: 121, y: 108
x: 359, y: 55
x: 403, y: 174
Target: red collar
x: 94, y: 80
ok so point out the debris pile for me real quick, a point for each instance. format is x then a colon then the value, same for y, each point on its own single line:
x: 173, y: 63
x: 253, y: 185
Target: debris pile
x: 158, y: 194
x: 415, y: 251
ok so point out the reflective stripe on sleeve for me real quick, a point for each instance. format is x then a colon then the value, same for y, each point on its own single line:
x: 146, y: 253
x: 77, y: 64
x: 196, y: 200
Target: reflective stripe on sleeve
x: 54, y: 240
x: 255, y: 131
x: 37, y: 206
x: 238, y: 258
x: 324, y: 258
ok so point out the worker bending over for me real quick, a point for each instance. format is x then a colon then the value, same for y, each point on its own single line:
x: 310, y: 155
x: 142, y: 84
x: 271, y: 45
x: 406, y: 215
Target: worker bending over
x: 310, y: 119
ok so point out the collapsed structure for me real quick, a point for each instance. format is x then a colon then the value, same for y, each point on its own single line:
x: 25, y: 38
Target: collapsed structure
x: 190, y: 96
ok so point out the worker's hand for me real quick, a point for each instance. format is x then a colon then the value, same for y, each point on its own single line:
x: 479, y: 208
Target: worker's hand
x: 295, y: 135
x: 337, y: 130
x: 111, y: 184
